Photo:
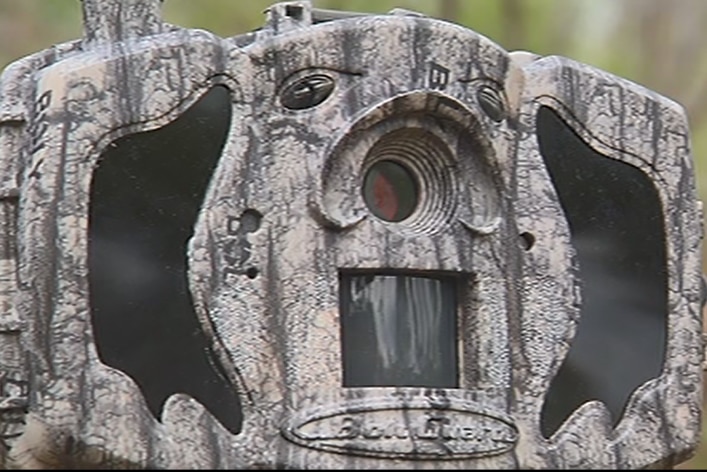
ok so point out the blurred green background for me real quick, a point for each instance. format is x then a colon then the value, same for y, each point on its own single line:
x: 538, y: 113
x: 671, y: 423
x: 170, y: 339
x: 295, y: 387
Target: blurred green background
x: 657, y: 43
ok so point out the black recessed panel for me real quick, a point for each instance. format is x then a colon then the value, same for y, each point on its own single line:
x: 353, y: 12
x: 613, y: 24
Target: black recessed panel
x: 398, y: 330
x: 616, y: 226
x: 145, y: 197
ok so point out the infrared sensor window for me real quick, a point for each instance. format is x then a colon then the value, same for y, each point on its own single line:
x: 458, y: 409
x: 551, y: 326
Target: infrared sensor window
x: 398, y: 330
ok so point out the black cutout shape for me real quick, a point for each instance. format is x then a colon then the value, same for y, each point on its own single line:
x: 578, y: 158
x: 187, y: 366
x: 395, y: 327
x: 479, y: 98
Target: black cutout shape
x: 616, y: 225
x: 145, y: 196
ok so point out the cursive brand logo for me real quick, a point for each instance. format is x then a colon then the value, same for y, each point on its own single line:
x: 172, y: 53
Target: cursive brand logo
x: 406, y: 432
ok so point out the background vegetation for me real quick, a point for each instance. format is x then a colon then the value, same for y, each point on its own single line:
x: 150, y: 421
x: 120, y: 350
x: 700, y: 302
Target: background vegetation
x: 659, y: 44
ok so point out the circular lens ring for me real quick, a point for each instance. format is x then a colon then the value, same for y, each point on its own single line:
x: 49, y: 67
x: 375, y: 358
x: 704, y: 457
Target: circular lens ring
x: 428, y: 162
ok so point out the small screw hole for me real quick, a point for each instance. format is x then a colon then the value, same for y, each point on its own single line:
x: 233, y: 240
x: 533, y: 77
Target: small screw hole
x: 251, y: 272
x: 527, y: 240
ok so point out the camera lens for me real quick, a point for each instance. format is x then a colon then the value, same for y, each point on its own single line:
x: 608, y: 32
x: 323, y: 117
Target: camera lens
x: 390, y: 190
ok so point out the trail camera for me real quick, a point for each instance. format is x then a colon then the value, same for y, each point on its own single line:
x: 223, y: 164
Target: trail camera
x: 341, y: 241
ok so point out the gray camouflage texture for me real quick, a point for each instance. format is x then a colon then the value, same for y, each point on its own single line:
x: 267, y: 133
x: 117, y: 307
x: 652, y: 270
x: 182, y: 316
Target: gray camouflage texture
x: 277, y: 334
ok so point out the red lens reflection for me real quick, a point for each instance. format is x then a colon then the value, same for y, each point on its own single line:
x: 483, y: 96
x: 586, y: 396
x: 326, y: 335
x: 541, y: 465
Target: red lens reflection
x: 390, y: 191
x: 384, y: 197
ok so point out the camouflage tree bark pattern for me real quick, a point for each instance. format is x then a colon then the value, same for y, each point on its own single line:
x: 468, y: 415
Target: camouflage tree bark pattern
x: 469, y: 111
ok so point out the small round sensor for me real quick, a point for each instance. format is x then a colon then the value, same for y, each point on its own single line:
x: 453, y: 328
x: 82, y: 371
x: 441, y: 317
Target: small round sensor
x: 390, y: 190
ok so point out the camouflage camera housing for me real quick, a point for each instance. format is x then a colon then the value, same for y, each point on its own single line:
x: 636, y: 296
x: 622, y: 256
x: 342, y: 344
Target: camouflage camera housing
x: 341, y: 241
